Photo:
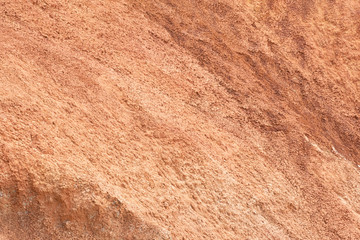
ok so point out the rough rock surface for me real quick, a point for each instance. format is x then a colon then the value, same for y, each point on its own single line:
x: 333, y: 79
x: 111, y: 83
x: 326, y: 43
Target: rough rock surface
x: 167, y: 119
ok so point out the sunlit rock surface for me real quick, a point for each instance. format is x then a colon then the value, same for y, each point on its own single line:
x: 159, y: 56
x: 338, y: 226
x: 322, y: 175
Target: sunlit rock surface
x: 185, y: 119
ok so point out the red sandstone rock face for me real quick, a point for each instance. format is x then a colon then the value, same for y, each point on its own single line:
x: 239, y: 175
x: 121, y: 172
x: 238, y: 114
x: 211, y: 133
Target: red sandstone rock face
x: 173, y: 119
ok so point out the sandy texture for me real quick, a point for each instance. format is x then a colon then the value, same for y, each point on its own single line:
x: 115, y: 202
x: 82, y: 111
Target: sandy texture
x: 167, y: 119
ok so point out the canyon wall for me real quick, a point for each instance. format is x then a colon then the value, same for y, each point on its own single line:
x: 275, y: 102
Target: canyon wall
x: 170, y: 119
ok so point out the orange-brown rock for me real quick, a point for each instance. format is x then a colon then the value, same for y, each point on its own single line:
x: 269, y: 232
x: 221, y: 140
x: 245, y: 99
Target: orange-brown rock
x: 167, y: 119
